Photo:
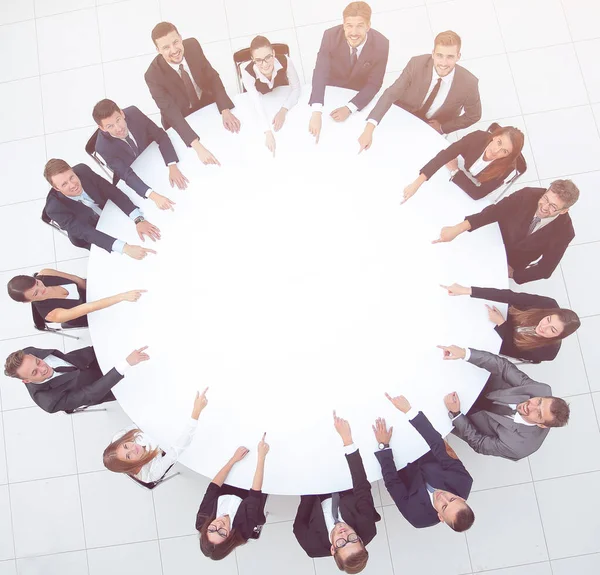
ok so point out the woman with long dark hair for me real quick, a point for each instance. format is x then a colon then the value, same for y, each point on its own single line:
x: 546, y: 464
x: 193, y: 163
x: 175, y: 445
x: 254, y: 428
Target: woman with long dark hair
x: 486, y: 160
x: 133, y: 452
x: 228, y: 516
x: 60, y: 297
x: 534, y: 326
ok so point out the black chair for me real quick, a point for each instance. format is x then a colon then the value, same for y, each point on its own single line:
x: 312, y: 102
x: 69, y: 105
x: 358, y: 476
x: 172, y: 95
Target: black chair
x: 152, y: 484
x: 85, y: 409
x: 243, y: 56
x: 520, y: 169
x: 90, y: 148
x: 40, y: 324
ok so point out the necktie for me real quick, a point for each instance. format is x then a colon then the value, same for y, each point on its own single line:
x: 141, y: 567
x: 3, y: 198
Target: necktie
x: 485, y: 404
x: 353, y: 57
x: 65, y: 369
x: 534, y: 223
x: 132, y: 145
x: 429, y: 488
x: 422, y: 112
x: 335, y: 506
x: 189, y: 87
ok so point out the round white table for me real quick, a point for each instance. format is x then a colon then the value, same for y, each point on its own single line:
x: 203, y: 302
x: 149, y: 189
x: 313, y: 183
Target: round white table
x: 295, y: 286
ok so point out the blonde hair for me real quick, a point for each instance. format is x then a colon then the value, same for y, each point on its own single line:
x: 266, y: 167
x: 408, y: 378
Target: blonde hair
x: 447, y: 38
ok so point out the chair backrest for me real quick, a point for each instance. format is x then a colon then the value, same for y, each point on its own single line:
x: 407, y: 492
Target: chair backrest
x: 38, y: 321
x: 90, y: 149
x: 242, y: 56
x: 151, y: 484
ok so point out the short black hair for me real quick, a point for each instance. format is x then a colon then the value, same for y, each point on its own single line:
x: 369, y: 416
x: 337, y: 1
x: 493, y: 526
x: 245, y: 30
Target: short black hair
x: 464, y: 519
x: 560, y: 411
x: 162, y: 29
x: 103, y: 109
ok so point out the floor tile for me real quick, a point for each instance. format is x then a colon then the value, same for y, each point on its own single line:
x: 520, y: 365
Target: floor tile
x: 596, y: 398
x: 23, y: 118
x: 53, y: 506
x: 3, y: 469
x: 65, y: 250
x: 7, y: 550
x: 8, y: 567
x: 20, y: 156
x: 26, y: 65
x: 516, y: 16
x: 588, y: 339
x: 207, y: 21
x: 182, y: 556
x: 474, y: 20
x: 134, y: 559
x: 54, y: 449
x: 534, y: 569
x: 566, y: 503
x: 282, y: 507
x: 582, y: 16
x: 141, y: 16
x: 244, y: 19
x: 74, y: 563
x: 59, y: 35
x: 582, y: 278
x: 284, y: 550
x: 572, y: 449
x: 115, y: 509
x: 585, y: 54
x: 219, y: 56
x: 518, y: 536
x: 50, y: 7
x: 577, y: 149
x: 308, y: 12
x: 70, y: 96
x: 584, y: 565
x: 16, y: 10
x: 411, y: 548
x: 548, y: 78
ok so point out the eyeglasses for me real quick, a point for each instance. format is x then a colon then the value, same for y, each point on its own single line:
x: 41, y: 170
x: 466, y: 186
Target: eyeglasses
x: 551, y: 207
x: 352, y: 538
x: 265, y: 60
x: 221, y: 531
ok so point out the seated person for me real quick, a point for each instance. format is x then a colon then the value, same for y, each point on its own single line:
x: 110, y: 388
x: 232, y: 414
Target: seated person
x: 123, y: 136
x: 534, y: 224
x: 534, y: 326
x: 512, y: 415
x: 228, y: 516
x: 133, y: 452
x: 266, y: 72
x: 488, y: 159
x: 75, y: 203
x: 431, y: 489
x: 434, y: 88
x: 353, y: 56
x: 181, y: 81
x: 61, y: 298
x: 60, y: 381
x: 340, y: 524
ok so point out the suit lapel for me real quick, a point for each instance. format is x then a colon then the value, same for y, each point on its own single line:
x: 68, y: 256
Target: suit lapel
x: 173, y: 78
x: 364, y: 59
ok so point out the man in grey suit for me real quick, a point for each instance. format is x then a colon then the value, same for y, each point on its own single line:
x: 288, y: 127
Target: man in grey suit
x: 434, y: 88
x: 512, y: 415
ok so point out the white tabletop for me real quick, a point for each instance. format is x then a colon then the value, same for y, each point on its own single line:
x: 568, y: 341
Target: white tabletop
x: 293, y: 286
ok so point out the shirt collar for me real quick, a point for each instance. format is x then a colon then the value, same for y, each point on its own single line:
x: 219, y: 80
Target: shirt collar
x: 445, y: 79
x: 277, y: 66
x: 359, y: 47
x: 176, y: 66
x: 519, y: 419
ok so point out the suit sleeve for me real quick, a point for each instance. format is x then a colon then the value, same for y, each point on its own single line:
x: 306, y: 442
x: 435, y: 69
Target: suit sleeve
x: 208, y: 504
x: 360, y: 484
x: 321, y: 72
x: 544, y: 268
x: 301, y: 522
x: 494, y: 212
x: 210, y: 77
x: 393, y: 93
x: 112, y: 193
x: 481, y: 443
x: 471, y: 112
x: 161, y: 137
x: 523, y: 301
x: 452, y: 151
x: 393, y: 483
x: 374, y: 80
x: 124, y: 170
x: 472, y: 190
x: 251, y: 512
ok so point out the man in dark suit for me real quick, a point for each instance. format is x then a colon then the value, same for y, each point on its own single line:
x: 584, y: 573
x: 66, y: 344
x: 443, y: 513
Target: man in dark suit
x: 512, y: 415
x: 431, y: 489
x: 352, y: 55
x: 340, y: 524
x: 123, y: 135
x: 181, y: 81
x: 535, y: 225
x: 75, y: 203
x: 60, y: 381
x: 434, y: 88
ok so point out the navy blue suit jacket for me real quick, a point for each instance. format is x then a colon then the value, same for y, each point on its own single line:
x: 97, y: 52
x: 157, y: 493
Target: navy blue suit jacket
x: 119, y: 156
x: 77, y: 219
x: 333, y: 66
x: 407, y: 486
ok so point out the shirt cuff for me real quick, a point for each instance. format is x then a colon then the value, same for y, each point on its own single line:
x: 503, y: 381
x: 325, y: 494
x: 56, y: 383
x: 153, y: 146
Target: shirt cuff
x: 136, y: 213
x: 172, y: 164
x: 316, y: 107
x: 467, y: 354
x: 352, y: 107
x: 372, y: 121
x: 452, y: 420
x: 348, y: 449
x: 412, y: 413
x: 118, y: 246
x: 122, y: 367
x: 147, y: 194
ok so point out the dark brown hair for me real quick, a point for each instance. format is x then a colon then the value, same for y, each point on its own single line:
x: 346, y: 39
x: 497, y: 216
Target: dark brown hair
x: 447, y: 38
x: 218, y: 552
x: 13, y: 363
x: 130, y: 467
x: 560, y: 411
x: 502, y: 167
x: 54, y: 167
x: 161, y: 30
x: 17, y: 287
x: 464, y: 519
x: 259, y: 42
x: 104, y: 109
x: 361, y: 9
x: 532, y: 317
x: 354, y: 563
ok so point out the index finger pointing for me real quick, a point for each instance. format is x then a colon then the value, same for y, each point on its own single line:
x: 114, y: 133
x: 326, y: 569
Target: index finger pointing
x: 264, y: 435
x: 143, y: 348
x: 149, y: 251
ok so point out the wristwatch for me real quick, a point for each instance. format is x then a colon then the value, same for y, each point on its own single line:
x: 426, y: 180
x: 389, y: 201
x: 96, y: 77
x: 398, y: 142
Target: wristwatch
x: 139, y: 219
x: 453, y: 414
x: 383, y: 445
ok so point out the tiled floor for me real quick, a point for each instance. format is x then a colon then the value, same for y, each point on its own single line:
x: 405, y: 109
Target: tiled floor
x: 61, y: 513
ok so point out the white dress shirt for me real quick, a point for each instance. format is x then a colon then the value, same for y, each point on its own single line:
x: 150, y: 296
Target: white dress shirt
x: 54, y: 362
x: 544, y: 222
x: 256, y: 96
x: 327, y: 503
x: 228, y: 505
x: 187, y: 69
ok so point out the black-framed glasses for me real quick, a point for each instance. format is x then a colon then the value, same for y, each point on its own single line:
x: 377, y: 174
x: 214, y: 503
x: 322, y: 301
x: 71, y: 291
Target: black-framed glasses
x: 221, y: 531
x: 553, y: 207
x: 342, y: 542
x: 266, y: 60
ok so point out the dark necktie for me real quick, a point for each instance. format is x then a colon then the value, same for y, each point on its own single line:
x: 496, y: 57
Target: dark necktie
x: 353, y: 57
x: 430, y: 488
x: 335, y: 506
x: 422, y: 112
x: 132, y: 145
x: 485, y: 404
x: 65, y: 369
x: 189, y: 87
x: 534, y: 223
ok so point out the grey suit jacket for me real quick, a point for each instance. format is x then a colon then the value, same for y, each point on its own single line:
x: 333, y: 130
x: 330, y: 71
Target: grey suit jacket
x: 492, y: 434
x: 410, y: 89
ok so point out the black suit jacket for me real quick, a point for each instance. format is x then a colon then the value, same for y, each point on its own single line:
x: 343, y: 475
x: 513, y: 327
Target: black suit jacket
x: 168, y: 91
x: 68, y: 391
x: 333, y: 66
x: 118, y: 153
x: 356, y: 507
x: 470, y: 147
x: 514, y: 215
x: 523, y: 302
x: 77, y: 219
x: 407, y: 486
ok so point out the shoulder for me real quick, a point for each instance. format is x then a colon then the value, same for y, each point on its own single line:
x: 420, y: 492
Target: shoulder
x: 191, y: 43
x: 154, y: 67
x: 465, y: 76
x: 134, y: 111
x: 378, y: 38
x: 334, y: 34
x: 83, y: 170
x: 421, y: 60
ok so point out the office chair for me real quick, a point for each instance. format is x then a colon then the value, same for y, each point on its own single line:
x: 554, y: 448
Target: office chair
x: 40, y: 324
x: 90, y: 148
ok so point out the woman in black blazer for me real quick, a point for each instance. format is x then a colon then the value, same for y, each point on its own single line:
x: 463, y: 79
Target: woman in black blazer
x: 535, y: 324
x: 488, y: 160
x: 59, y: 297
x: 229, y: 516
